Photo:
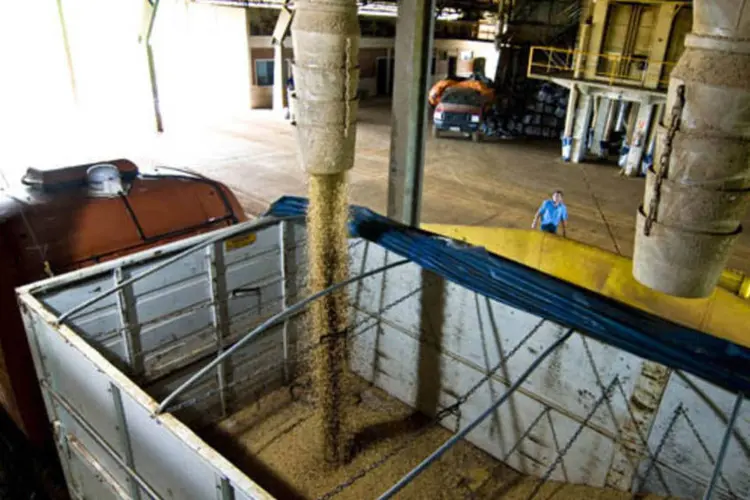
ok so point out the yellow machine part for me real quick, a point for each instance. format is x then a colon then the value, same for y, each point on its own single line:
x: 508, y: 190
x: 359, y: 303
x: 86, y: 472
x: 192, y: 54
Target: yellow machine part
x: 724, y: 314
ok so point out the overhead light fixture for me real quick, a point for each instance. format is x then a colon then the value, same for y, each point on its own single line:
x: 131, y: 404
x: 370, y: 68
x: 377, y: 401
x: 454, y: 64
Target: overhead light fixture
x: 450, y: 14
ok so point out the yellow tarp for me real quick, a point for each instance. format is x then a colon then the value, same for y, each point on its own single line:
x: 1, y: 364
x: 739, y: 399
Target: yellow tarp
x: 723, y: 314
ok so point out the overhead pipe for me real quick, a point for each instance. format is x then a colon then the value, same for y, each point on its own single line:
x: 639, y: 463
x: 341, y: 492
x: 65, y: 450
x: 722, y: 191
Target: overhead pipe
x: 464, y: 431
x: 699, y: 189
x: 325, y: 39
x: 152, y: 65
x: 68, y: 53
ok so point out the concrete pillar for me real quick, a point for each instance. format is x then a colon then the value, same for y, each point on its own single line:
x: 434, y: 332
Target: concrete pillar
x: 570, y: 114
x: 639, y: 141
x: 279, y: 78
x: 622, y: 113
x: 602, y: 125
x: 414, y: 31
x: 584, y: 112
x: 609, y: 124
x: 629, y: 122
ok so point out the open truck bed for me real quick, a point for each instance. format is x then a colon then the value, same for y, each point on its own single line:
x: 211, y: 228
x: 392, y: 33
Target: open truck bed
x: 431, y: 348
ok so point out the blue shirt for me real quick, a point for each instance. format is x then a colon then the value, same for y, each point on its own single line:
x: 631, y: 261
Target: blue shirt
x: 552, y: 214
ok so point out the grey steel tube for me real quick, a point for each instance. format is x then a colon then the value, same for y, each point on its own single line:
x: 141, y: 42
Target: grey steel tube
x: 270, y: 322
x: 486, y: 413
x: 699, y: 189
x: 152, y: 67
x: 325, y: 38
x: 723, y: 447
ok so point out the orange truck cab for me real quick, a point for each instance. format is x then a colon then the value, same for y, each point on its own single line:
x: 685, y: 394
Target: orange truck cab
x: 64, y: 219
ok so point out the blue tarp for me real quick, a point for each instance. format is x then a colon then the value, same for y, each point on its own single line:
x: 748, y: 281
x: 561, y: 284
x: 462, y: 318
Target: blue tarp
x: 648, y: 336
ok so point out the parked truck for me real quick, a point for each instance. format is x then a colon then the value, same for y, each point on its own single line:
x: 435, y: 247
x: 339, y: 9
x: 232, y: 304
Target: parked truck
x: 183, y: 372
x: 59, y: 220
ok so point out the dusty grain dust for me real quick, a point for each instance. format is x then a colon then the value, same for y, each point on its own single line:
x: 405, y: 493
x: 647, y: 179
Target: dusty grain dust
x: 280, y: 436
x: 328, y: 258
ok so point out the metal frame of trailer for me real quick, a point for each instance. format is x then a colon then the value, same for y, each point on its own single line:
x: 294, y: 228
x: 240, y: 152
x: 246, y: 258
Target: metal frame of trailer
x: 131, y: 352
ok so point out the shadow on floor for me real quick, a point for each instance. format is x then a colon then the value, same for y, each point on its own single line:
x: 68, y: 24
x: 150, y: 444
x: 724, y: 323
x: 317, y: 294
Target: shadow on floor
x: 374, y: 434
x: 228, y: 446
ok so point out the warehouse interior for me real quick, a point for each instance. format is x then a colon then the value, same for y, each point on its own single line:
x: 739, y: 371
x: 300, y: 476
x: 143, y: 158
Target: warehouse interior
x: 190, y: 119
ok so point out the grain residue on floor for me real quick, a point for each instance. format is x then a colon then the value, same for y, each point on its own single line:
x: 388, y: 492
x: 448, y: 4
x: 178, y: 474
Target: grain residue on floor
x: 276, y: 443
x: 328, y: 257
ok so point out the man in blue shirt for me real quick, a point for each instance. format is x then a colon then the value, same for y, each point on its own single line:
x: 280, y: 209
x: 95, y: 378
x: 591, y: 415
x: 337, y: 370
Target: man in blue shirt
x: 553, y: 213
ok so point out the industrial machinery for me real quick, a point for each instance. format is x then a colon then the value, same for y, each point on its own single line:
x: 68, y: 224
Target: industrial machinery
x: 423, y: 365
x: 64, y: 219
x: 556, y: 381
x: 699, y: 189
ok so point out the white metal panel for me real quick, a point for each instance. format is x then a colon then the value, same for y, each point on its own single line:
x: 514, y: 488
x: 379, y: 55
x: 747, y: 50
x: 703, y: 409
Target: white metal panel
x: 425, y: 341
x: 169, y: 457
x: 421, y: 315
x: 398, y: 362
x: 62, y: 299
x: 689, y: 441
x: 173, y: 305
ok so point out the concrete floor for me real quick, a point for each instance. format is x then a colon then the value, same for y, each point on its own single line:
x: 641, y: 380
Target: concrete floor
x: 498, y: 183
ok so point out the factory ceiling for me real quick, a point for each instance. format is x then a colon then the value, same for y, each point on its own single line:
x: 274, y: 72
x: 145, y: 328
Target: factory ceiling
x: 450, y: 9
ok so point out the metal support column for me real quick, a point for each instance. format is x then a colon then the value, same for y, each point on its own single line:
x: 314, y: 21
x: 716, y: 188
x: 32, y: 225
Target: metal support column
x: 124, y: 434
x: 152, y: 67
x: 129, y: 325
x: 280, y: 73
x: 68, y: 54
x: 216, y: 271
x: 414, y: 30
x: 284, y: 296
x: 279, y: 78
x: 723, y: 447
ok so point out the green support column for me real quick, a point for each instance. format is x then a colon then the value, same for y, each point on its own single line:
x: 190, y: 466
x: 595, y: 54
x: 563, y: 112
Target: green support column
x: 414, y: 31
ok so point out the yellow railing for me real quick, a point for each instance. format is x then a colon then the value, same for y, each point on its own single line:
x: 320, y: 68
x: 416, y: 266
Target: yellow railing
x: 612, y: 69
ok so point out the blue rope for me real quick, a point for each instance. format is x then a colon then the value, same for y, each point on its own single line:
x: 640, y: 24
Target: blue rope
x: 640, y: 333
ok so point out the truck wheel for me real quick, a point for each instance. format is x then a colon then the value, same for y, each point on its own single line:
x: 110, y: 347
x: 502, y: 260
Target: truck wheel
x: 476, y: 137
x: 435, y: 132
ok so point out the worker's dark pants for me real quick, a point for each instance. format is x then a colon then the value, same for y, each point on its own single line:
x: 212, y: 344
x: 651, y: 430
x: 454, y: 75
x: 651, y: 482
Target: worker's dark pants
x: 549, y: 228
